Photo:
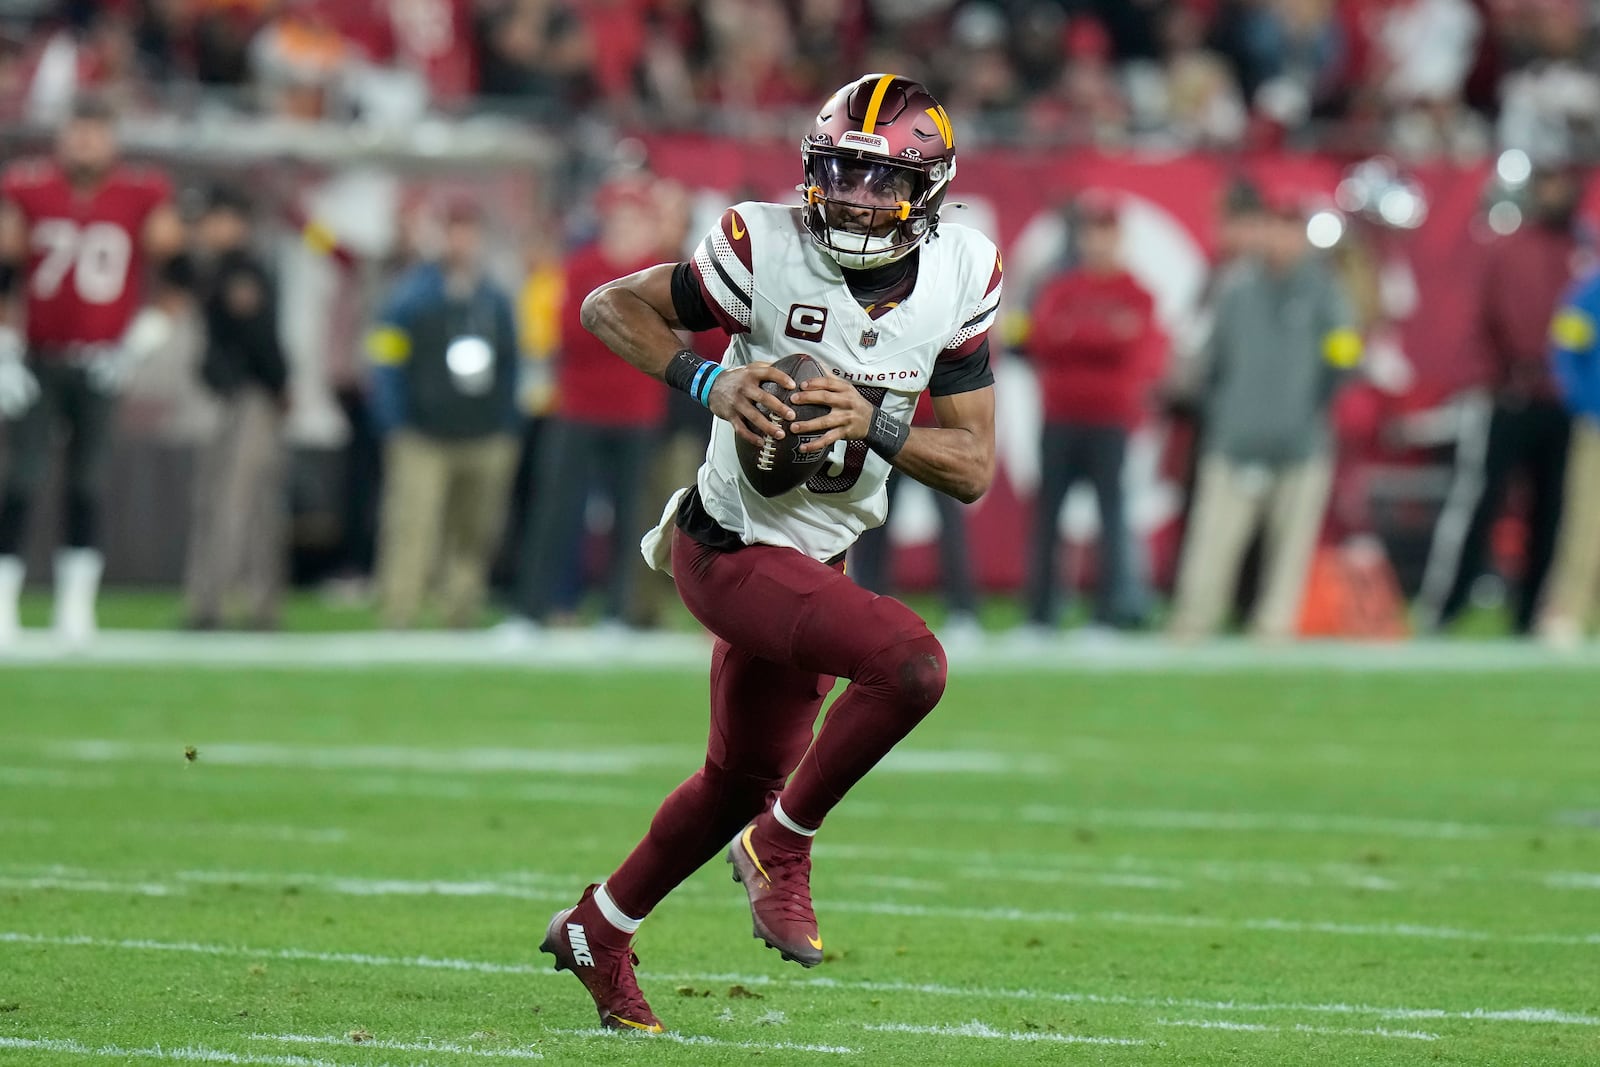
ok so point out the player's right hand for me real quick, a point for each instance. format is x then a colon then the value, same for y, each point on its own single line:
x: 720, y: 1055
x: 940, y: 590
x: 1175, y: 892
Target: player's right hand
x: 18, y: 387
x: 738, y: 397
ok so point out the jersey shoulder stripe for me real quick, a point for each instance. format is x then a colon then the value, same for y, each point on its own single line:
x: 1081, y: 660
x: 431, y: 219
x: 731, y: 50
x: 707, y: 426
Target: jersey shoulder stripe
x: 722, y: 266
x: 979, y: 262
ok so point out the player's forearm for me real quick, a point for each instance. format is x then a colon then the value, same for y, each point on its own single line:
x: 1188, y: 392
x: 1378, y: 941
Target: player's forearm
x: 631, y: 327
x: 954, y: 461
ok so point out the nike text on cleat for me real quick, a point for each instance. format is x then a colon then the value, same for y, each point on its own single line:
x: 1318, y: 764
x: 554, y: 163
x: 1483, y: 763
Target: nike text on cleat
x: 576, y: 938
x: 778, y: 883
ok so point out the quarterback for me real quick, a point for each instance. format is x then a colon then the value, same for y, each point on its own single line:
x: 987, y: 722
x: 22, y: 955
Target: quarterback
x: 78, y: 233
x: 864, y: 278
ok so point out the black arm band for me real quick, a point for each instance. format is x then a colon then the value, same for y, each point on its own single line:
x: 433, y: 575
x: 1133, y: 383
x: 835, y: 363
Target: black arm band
x: 8, y: 277
x: 688, y: 302
x: 887, y: 434
x: 690, y: 374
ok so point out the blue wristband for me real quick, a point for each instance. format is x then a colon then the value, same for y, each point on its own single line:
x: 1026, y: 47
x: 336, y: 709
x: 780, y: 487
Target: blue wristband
x: 702, y: 391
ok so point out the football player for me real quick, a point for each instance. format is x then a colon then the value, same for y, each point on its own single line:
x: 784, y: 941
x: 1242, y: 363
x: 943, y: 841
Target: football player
x: 863, y: 276
x: 77, y: 233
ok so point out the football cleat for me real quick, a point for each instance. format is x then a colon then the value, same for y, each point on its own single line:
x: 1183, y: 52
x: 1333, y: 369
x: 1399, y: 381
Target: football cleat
x: 778, y: 882
x: 578, y: 939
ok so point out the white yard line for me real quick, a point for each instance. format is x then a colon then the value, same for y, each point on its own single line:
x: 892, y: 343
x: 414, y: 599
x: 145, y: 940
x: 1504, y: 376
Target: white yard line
x: 630, y: 652
x: 71, y: 884
x: 622, y: 759
x: 449, y: 1047
x: 295, y: 835
x: 617, y: 760
x: 1166, y: 872
x: 440, y: 765
x: 74, y: 879
x: 1206, y: 922
x: 977, y: 1029
x: 1534, y: 1015
x: 1263, y: 1028
x: 55, y: 778
x: 1209, y: 821
x: 183, y: 1054
x: 700, y: 1039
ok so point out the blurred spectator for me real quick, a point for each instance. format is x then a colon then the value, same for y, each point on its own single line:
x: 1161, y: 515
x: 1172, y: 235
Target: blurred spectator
x: 1575, y: 582
x: 538, y: 332
x: 1086, y: 102
x: 1550, y: 97
x: 1091, y: 340
x: 79, y: 232
x: 1527, y: 274
x: 93, y: 50
x: 606, y: 426
x: 236, y: 543
x: 872, y: 555
x: 978, y: 52
x: 753, y: 66
x: 444, y: 396
x: 1282, y: 341
x: 222, y: 35
x: 1201, y: 102
x: 1425, y: 51
x: 1291, y: 56
x: 300, y: 60
x: 533, y: 51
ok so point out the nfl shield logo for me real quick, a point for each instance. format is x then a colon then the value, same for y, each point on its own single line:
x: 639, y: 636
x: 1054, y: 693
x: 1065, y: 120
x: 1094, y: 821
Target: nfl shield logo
x: 869, y: 338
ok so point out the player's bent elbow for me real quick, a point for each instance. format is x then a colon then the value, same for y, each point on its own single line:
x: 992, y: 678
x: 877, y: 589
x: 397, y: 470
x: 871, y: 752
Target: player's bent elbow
x: 970, y: 493
x: 592, y: 313
x: 971, y: 488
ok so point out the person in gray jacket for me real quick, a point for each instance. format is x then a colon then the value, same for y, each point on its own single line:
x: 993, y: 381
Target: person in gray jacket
x: 1282, y: 341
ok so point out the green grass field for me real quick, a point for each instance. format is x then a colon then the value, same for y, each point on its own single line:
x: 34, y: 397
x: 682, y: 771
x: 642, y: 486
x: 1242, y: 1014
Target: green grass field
x: 1143, y: 868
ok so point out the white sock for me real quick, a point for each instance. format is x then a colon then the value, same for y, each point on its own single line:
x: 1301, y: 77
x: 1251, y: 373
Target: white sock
x: 612, y: 913
x: 788, y: 823
x: 11, y: 575
x: 77, y: 586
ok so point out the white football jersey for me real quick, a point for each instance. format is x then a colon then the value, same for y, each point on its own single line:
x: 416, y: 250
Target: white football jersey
x: 777, y: 293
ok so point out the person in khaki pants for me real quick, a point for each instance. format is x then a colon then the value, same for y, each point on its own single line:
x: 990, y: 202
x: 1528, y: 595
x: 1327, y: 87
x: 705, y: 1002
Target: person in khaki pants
x: 1573, y: 593
x: 1282, y: 341
x: 236, y: 542
x: 444, y: 507
x: 444, y: 397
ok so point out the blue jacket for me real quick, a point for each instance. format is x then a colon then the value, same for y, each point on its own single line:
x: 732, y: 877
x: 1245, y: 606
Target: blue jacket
x: 1575, y: 347
x: 413, y: 383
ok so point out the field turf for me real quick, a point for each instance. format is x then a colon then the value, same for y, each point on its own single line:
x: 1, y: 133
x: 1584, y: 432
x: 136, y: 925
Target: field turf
x: 1143, y: 868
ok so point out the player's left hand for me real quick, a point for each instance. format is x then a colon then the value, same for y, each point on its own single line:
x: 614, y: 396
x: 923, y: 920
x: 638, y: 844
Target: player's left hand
x: 849, y: 419
x: 110, y: 369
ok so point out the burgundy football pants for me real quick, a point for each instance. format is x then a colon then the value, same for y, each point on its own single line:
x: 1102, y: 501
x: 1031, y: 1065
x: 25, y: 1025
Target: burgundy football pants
x: 785, y: 626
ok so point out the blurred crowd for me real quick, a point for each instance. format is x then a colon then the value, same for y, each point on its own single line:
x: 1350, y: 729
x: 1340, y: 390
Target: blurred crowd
x: 1413, y: 77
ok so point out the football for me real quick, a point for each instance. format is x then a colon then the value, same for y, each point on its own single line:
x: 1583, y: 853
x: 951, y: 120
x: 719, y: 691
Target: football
x: 778, y: 466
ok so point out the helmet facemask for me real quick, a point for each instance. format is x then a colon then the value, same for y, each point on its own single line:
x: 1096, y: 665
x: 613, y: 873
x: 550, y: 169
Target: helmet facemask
x: 866, y: 212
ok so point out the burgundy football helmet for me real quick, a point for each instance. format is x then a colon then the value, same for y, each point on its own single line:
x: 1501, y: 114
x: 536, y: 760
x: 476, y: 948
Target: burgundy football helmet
x: 878, y: 161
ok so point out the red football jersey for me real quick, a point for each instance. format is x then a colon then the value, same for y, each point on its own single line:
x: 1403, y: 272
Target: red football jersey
x: 84, y: 259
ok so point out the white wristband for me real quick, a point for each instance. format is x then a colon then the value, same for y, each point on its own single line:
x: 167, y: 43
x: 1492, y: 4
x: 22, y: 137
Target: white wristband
x: 150, y: 331
x: 11, y: 347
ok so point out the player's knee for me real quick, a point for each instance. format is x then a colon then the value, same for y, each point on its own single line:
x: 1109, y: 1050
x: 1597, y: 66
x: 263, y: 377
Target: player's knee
x: 917, y: 670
